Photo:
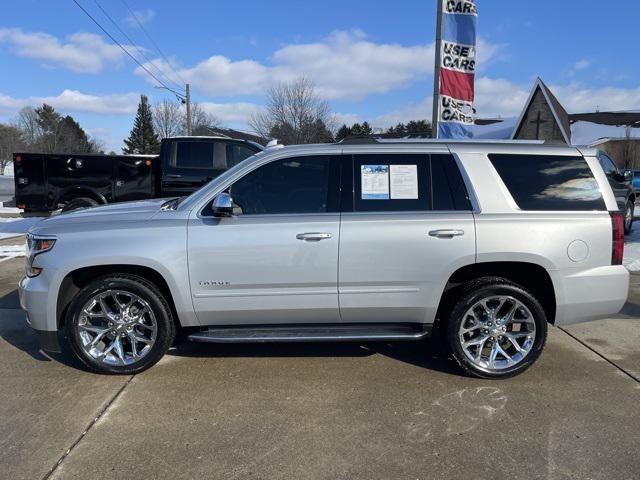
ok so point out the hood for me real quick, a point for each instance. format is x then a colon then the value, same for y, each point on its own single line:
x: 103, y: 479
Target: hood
x: 104, y: 215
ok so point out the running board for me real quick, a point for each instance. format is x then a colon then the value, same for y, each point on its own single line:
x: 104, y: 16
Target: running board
x: 315, y: 333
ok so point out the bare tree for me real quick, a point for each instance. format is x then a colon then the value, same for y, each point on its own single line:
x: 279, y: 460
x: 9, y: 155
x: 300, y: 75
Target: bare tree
x: 168, y: 119
x: 27, y: 122
x: 201, y: 120
x: 10, y: 142
x: 294, y: 114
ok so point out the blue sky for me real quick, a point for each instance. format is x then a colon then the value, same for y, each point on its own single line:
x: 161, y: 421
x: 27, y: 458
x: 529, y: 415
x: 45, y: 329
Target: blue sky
x: 371, y: 62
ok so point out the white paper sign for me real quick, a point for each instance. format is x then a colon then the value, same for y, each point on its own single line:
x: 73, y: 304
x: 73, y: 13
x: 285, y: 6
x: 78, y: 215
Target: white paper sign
x: 375, y: 182
x: 404, y: 182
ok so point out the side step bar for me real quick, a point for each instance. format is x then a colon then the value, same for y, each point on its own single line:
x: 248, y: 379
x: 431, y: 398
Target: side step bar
x: 314, y: 333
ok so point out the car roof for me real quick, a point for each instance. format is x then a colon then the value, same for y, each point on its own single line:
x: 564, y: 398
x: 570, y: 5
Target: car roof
x: 365, y: 145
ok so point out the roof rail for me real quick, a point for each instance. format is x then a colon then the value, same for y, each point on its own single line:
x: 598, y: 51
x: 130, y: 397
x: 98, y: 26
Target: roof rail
x: 356, y: 140
x: 372, y: 140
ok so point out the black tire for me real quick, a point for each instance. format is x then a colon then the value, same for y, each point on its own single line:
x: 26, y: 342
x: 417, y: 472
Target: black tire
x: 628, y: 217
x: 486, y: 287
x: 166, y: 329
x: 78, y: 203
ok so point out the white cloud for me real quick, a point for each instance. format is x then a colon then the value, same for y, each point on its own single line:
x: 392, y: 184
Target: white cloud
x: 142, y: 16
x: 230, y: 113
x: 75, y: 101
x: 344, y: 65
x: 582, y: 64
x: 80, y: 52
x: 500, y: 97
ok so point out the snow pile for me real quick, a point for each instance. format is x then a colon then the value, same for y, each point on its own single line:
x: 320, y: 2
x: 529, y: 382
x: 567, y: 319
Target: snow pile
x: 8, y: 252
x: 632, y: 250
x: 13, y: 227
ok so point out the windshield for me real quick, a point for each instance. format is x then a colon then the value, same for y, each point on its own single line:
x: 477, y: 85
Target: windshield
x: 191, y: 200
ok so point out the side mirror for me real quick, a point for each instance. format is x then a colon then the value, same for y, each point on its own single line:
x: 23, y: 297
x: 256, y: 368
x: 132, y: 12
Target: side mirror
x: 222, y: 205
x: 628, y: 175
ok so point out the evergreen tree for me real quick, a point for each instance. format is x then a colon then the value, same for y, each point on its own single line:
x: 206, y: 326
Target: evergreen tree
x: 143, y: 138
x: 343, y: 132
x: 356, y: 130
x: 419, y: 129
x: 366, y: 129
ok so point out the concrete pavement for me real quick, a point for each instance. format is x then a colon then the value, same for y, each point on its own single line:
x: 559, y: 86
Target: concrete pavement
x: 322, y: 411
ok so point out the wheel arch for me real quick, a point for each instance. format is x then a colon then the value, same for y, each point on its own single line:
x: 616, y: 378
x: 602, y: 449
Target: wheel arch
x: 531, y: 276
x: 75, y: 280
x: 78, y: 192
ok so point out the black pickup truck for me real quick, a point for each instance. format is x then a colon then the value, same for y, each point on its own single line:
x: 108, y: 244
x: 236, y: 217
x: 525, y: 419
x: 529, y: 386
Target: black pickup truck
x: 48, y: 182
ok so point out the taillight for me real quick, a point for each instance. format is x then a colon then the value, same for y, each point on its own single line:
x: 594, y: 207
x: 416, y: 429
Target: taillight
x: 617, y: 226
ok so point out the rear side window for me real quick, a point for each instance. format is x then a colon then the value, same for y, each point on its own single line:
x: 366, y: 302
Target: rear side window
x: 392, y: 183
x: 408, y: 183
x: 193, y: 155
x: 549, y: 182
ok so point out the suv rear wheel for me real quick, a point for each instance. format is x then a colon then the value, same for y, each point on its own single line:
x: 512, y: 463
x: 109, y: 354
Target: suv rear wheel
x: 119, y: 324
x: 78, y: 203
x: 496, y: 329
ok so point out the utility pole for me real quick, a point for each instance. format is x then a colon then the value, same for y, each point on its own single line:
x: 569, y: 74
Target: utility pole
x: 436, y: 71
x: 188, y: 100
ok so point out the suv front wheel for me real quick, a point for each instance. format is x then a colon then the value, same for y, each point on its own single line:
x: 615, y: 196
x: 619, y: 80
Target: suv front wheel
x: 496, y: 329
x: 119, y: 324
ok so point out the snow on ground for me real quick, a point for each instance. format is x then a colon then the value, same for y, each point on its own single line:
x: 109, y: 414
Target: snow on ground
x: 632, y: 249
x: 12, y: 227
x: 8, y: 252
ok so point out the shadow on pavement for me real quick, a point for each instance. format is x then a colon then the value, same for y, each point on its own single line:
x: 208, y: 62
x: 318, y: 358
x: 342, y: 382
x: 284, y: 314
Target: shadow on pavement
x: 429, y: 354
x: 16, y: 332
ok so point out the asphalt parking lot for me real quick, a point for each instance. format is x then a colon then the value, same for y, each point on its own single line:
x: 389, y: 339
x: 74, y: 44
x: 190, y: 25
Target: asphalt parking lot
x: 322, y: 411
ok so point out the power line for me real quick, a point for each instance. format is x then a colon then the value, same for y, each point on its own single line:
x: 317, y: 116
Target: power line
x: 125, y: 50
x: 135, y: 17
x: 133, y: 44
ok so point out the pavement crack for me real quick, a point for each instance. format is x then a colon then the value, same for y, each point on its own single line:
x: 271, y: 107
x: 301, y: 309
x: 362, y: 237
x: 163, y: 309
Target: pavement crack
x: 618, y: 367
x: 100, y: 414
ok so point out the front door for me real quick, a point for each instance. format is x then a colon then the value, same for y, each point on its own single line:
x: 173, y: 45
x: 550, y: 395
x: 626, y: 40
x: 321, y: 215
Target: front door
x: 411, y: 227
x: 275, y: 261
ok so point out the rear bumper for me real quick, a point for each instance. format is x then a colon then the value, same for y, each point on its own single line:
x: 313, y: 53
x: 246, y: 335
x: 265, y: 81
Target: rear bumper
x: 33, y: 296
x: 590, y: 294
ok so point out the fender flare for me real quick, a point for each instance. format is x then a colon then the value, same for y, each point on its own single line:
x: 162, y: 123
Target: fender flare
x: 76, y: 192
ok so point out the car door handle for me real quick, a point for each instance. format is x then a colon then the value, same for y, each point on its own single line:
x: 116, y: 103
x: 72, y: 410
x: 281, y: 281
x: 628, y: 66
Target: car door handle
x: 313, y: 237
x: 172, y: 175
x: 446, y: 233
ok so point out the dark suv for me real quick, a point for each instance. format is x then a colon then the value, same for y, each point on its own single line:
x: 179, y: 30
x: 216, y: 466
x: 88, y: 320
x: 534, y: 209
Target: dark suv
x: 621, y: 184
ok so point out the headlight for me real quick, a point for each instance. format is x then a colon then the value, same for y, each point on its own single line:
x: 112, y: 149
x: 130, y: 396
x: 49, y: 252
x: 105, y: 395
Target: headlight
x: 35, y: 246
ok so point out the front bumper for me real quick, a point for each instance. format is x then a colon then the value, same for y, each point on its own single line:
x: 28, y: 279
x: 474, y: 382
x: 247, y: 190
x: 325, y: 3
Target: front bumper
x: 591, y: 294
x: 33, y: 294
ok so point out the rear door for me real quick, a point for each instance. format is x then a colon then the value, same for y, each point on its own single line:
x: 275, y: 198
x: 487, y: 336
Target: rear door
x: 410, y: 226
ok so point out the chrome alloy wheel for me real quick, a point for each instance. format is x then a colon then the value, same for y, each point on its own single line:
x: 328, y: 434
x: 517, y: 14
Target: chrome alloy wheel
x: 117, y: 327
x: 497, y: 332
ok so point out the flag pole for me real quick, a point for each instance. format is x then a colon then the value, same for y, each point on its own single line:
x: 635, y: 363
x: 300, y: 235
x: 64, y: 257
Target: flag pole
x: 436, y: 71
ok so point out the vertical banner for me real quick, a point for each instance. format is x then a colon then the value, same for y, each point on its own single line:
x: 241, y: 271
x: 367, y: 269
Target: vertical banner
x: 455, y: 69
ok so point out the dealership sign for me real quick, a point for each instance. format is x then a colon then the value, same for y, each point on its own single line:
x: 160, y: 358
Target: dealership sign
x: 455, y: 68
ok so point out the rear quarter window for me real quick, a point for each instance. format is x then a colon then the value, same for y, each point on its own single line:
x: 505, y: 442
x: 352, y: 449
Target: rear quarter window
x: 549, y: 182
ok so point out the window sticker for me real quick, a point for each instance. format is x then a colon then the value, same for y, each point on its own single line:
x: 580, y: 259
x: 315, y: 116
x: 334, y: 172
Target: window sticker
x: 375, y: 182
x: 404, y: 182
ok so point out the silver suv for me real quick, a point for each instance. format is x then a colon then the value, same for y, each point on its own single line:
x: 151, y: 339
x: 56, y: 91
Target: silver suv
x: 358, y: 241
